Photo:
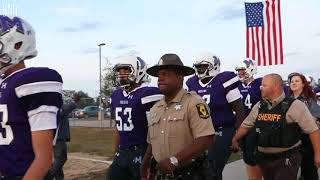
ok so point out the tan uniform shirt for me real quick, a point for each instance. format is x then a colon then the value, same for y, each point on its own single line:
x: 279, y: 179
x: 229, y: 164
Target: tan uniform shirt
x: 297, y: 113
x: 175, y: 125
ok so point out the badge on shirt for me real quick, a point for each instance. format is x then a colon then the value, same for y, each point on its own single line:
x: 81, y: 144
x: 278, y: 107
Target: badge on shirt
x: 178, y: 107
x: 202, y: 111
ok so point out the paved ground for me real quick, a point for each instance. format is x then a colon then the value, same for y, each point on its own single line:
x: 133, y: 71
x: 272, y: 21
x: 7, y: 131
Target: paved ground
x: 235, y: 171
x: 90, y: 122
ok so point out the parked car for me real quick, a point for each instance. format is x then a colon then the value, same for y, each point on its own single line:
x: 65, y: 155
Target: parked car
x: 88, y: 111
x: 73, y: 114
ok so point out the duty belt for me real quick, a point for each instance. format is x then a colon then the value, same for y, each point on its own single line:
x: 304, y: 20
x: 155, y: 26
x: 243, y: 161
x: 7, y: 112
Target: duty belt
x: 184, y: 171
x: 270, y: 156
x: 133, y: 148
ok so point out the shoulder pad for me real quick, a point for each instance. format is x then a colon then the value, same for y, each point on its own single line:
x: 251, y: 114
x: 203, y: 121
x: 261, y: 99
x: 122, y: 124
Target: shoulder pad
x: 195, y: 95
x: 34, y: 75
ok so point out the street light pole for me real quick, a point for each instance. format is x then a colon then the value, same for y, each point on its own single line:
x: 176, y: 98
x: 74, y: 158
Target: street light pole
x: 100, y: 89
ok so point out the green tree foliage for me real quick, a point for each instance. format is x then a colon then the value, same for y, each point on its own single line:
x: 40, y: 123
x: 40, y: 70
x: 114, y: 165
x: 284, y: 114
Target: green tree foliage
x: 85, y: 100
x: 108, y: 79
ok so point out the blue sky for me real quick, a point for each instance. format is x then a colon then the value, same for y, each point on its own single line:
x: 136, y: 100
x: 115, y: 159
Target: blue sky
x: 68, y: 33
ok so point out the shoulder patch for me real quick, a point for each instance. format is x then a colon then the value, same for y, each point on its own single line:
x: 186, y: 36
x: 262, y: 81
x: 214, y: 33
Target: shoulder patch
x: 202, y: 111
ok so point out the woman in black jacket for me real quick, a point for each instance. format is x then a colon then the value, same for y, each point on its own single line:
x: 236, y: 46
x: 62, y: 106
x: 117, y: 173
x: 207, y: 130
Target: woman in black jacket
x: 300, y: 89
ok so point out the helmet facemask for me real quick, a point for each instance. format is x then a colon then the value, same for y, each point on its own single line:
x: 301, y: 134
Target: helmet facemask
x: 206, y: 65
x: 17, y: 42
x: 5, y: 59
x: 241, y: 72
x: 124, y: 76
x: 246, y: 70
x: 202, y: 69
x: 130, y: 71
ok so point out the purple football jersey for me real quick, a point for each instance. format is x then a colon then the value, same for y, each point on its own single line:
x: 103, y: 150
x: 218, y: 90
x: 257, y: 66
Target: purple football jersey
x: 286, y: 89
x: 251, y: 94
x: 317, y: 92
x: 23, y: 93
x: 218, y: 93
x: 131, y: 113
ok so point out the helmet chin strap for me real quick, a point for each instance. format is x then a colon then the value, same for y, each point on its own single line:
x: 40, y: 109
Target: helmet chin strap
x: 206, y: 77
x: 7, y: 66
x: 245, y: 79
x: 127, y: 85
x: 202, y: 75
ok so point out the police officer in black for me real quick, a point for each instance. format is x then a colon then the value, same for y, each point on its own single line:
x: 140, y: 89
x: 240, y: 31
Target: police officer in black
x: 279, y: 122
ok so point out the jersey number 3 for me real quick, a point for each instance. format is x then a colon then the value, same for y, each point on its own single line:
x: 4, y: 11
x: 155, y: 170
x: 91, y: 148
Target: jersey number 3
x: 206, y: 98
x: 124, y: 126
x: 6, y: 134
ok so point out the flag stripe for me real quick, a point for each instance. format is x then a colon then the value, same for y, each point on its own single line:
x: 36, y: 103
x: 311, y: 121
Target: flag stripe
x: 269, y: 33
x: 274, y: 30
x: 263, y: 46
x: 258, y: 46
x: 280, y: 33
x: 265, y: 37
x: 253, y: 44
x: 247, y: 42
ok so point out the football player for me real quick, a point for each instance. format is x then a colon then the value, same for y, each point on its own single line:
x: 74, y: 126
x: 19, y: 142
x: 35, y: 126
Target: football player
x: 130, y: 104
x: 251, y: 94
x: 311, y: 80
x: 220, y: 91
x: 29, y: 101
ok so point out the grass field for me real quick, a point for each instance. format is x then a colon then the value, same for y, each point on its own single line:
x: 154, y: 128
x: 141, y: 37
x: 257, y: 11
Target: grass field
x: 94, y: 141
x: 99, y: 142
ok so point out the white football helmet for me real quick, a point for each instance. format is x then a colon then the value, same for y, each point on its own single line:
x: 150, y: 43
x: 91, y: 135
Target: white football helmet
x: 137, y: 71
x: 206, y: 65
x: 310, y: 80
x: 250, y: 68
x: 17, y: 42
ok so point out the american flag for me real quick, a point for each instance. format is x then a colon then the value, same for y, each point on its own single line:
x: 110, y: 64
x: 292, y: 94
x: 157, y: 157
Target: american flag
x: 264, y: 34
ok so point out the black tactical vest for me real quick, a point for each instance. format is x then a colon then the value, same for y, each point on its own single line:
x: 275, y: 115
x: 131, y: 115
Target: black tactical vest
x: 272, y: 127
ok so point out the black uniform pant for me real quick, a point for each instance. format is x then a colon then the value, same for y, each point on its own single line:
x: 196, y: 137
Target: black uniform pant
x: 219, y: 152
x: 308, y: 170
x: 191, y: 176
x: 280, y: 168
x: 250, y: 148
x: 197, y: 170
x: 60, y: 158
x: 126, y: 163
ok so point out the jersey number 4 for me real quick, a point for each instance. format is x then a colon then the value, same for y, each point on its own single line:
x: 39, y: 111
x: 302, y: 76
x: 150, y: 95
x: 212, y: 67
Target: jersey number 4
x: 124, y: 126
x: 6, y: 134
x: 247, y: 102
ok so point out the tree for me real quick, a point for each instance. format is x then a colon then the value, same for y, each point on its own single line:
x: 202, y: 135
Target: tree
x: 85, y: 100
x: 107, y: 82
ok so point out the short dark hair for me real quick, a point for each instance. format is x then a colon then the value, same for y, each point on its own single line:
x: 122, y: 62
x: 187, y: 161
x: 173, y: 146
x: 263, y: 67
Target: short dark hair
x: 276, y: 78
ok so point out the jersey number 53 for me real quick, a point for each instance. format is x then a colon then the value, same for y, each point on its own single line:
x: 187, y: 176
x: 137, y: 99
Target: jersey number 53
x: 121, y: 125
